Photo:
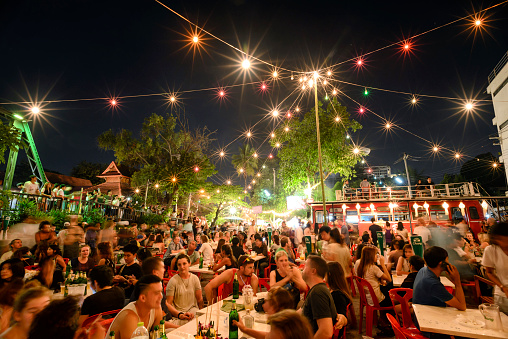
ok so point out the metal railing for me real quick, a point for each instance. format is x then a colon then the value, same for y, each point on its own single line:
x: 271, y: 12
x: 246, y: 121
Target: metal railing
x: 77, y: 206
x: 464, y: 189
x: 498, y: 67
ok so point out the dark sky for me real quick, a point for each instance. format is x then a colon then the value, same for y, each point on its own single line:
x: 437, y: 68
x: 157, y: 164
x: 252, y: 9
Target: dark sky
x: 67, y: 49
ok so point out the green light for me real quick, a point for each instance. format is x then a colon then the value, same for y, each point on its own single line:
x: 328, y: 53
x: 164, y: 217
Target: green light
x: 366, y: 92
x: 17, y: 116
x: 326, y: 97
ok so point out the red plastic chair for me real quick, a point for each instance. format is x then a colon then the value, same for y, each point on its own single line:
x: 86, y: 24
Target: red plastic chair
x: 369, y: 312
x: 352, y: 284
x: 264, y: 282
x: 32, y: 268
x: 396, y: 327
x: 88, y: 321
x: 268, y: 270
x: 66, y: 261
x: 171, y: 273
x: 165, y: 282
x: 395, y: 296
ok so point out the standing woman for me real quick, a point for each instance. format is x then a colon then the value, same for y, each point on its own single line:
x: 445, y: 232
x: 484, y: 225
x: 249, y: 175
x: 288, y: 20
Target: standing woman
x: 403, y: 263
x: 46, y: 193
x: 338, y: 251
x: 53, y: 252
x: 108, y: 233
x: 388, y: 233
x: 402, y: 231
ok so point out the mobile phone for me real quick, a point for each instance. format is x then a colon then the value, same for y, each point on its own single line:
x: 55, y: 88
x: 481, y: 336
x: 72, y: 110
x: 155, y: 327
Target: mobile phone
x: 444, y: 266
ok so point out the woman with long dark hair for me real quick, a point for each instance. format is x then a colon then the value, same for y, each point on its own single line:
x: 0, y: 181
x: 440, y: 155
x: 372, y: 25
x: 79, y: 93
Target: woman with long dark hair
x: 402, y: 231
x: 11, y: 269
x: 105, y: 252
x: 227, y: 260
x: 403, y: 263
x: 336, y: 280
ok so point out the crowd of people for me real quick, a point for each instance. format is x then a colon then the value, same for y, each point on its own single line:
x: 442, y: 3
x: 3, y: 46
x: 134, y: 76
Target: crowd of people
x: 311, y: 287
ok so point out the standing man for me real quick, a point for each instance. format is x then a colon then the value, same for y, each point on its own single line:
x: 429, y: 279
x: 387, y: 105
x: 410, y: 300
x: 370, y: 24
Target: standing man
x: 422, y: 231
x: 373, y: 229
x: 31, y: 186
x: 365, y: 186
x: 495, y: 260
x: 319, y: 307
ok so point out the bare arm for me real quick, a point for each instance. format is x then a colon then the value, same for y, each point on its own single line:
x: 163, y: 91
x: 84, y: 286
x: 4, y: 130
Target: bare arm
x: 169, y: 303
x: 495, y: 279
x: 279, y: 283
x: 254, y: 282
x: 211, y: 287
x: 61, y: 262
x: 199, y: 298
x: 221, y: 263
x: 298, y: 280
x: 458, y: 301
x: 399, y: 267
x: 386, y: 274
x: 325, y: 328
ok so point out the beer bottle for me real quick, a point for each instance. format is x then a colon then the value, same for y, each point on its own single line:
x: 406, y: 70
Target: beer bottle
x: 112, y: 335
x: 201, y: 261
x: 236, y: 288
x: 233, y: 315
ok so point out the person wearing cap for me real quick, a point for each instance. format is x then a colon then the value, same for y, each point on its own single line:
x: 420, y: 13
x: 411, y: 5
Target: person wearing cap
x: 14, y: 245
x: 245, y: 275
x: 31, y: 186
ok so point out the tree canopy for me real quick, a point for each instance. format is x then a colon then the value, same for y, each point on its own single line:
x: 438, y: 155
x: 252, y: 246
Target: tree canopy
x: 166, y: 153
x: 298, y: 151
x: 10, y: 140
x: 219, y: 197
x: 244, y: 162
x: 89, y: 170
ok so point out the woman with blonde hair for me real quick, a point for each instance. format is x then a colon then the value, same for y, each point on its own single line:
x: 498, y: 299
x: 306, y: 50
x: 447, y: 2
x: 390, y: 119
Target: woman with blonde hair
x: 288, y: 277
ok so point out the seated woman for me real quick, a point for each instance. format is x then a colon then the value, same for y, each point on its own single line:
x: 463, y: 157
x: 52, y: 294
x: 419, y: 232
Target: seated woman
x: 10, y: 270
x: 227, y: 260
x: 276, y: 300
x: 403, y: 263
x: 376, y: 276
x: 288, y: 277
x: 142, y: 254
x: 26, y: 306
x: 336, y: 280
x: 7, y: 295
x: 159, y: 243
x: 217, y: 254
x: 105, y: 252
x: 395, y: 253
x: 83, y: 263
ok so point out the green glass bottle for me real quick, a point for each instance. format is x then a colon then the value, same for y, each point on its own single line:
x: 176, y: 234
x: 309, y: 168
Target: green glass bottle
x: 201, y: 261
x: 233, y: 315
x: 236, y: 288
x: 112, y: 335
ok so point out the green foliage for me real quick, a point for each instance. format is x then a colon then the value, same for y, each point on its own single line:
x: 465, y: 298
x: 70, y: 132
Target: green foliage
x: 10, y: 139
x: 244, y: 162
x: 299, y: 154
x: 89, y: 170
x: 151, y: 219
x: 222, y: 196
x: 166, y: 149
x: 94, y: 216
x: 58, y: 218
x: 275, y: 199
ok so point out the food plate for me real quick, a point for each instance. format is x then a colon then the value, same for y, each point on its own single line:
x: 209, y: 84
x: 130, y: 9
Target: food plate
x: 470, y: 322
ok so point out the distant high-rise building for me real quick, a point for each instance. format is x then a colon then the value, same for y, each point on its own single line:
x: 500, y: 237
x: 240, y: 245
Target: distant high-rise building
x: 378, y: 171
x: 498, y: 88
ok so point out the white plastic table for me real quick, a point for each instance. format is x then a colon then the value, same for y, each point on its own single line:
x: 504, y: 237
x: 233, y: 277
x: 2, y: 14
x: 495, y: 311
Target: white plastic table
x: 399, y: 279
x: 204, y: 270
x: 447, y: 320
x: 188, y: 330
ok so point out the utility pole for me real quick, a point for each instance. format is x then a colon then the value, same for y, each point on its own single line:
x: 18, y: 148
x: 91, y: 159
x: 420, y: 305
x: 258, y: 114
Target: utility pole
x: 146, y: 192
x: 325, y: 217
x: 407, y: 174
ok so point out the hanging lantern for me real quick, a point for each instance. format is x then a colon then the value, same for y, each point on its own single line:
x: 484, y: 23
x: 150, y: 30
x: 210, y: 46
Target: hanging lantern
x: 415, y: 206
x: 462, y: 208
x: 445, y: 206
x: 484, y: 206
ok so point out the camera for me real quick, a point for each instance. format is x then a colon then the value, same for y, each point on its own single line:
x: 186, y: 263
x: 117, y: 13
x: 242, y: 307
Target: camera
x: 259, y: 305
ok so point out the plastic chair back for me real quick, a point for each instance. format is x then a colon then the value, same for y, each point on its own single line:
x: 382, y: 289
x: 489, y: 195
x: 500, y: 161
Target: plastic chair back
x: 88, y: 321
x: 264, y: 282
x: 403, y: 300
x: 362, y: 286
x: 396, y: 327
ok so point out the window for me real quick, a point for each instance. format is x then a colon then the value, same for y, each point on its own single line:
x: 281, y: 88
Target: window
x: 319, y: 217
x: 473, y: 213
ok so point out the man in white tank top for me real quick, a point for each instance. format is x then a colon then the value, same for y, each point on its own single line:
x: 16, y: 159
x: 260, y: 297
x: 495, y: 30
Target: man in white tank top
x: 146, y: 309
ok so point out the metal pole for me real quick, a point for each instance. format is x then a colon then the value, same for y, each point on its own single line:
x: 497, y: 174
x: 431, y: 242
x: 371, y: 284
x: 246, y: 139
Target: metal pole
x: 146, y: 192
x: 325, y: 221
x: 274, y: 179
x: 407, y: 175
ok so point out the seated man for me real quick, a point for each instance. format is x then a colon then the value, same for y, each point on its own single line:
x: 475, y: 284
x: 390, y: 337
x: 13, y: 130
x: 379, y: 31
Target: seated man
x: 416, y: 263
x: 14, y: 245
x: 191, y: 252
x: 428, y: 289
x: 261, y: 249
x: 285, y: 245
x: 458, y: 258
x: 183, y: 293
x: 106, y: 297
x: 245, y: 275
x: 130, y: 272
x: 319, y: 307
x: 146, y: 308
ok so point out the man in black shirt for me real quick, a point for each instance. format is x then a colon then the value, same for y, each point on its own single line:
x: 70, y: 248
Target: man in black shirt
x: 319, y: 306
x: 106, y: 297
x: 373, y: 229
x: 236, y: 248
x: 415, y: 264
x: 129, y: 273
x: 261, y: 249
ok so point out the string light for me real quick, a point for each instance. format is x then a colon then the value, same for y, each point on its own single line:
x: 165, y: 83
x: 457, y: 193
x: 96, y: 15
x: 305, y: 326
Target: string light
x: 275, y: 113
x: 359, y: 62
x: 253, y: 181
x: 334, y: 92
x: 248, y: 134
x: 35, y: 110
x: 277, y: 145
x: 222, y: 154
x: 288, y: 115
x: 195, y: 39
x: 329, y: 73
x: 245, y: 64
x: 173, y: 179
x: 337, y: 119
x: 286, y: 129
x: 272, y: 135
x: 495, y: 164
x: 275, y: 74
x: 366, y: 92
x: 414, y: 100
x: 113, y: 102
x: 356, y: 150
x: 249, y: 187
x: 240, y: 170
x: 361, y: 110
x: 137, y: 190
x: 196, y: 169
x: 388, y: 125
x: 228, y: 182
x: 435, y: 149
x: 202, y: 191
x: 255, y: 155
x: 297, y: 109
x: 264, y: 166
x: 156, y: 185
x: 258, y: 174
x: 457, y: 155
x: 270, y: 156
x: 469, y: 106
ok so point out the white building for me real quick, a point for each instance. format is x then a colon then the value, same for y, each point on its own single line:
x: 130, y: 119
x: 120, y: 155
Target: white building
x: 378, y: 171
x: 498, y: 88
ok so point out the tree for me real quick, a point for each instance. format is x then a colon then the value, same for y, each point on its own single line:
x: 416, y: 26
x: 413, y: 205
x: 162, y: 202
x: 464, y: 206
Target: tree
x: 10, y: 140
x: 89, y: 170
x: 219, y: 197
x: 245, y: 163
x: 269, y: 192
x: 299, y: 155
x: 166, y: 153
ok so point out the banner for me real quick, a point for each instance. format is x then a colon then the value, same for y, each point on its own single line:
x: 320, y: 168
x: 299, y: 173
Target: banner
x: 381, y: 241
x: 257, y: 209
x: 417, y: 244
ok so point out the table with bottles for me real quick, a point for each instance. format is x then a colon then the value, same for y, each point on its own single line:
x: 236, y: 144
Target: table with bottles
x: 204, y: 270
x: 214, y: 313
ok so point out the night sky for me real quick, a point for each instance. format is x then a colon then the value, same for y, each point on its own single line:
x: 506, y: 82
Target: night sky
x: 71, y: 49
